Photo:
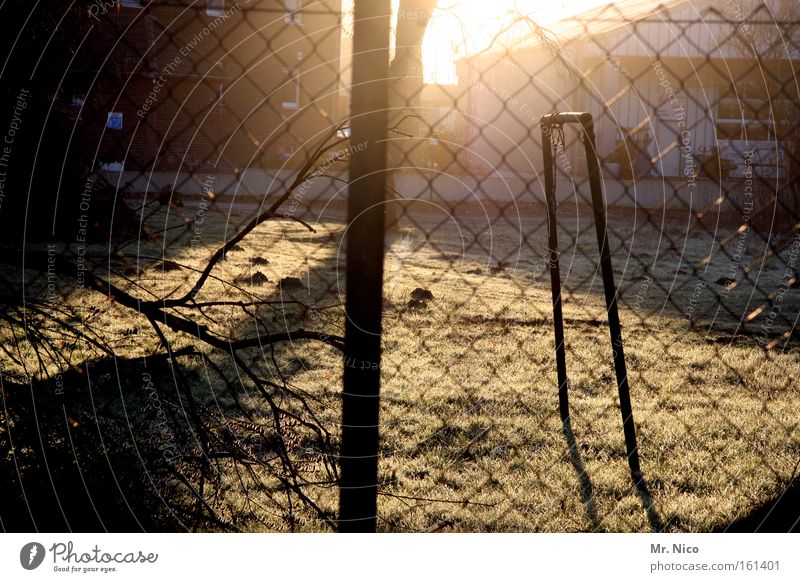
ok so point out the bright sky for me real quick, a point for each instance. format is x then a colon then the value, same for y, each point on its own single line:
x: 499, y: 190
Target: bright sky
x: 461, y: 27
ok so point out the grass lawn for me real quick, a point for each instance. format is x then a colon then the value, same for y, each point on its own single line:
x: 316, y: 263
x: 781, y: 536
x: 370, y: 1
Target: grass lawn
x: 471, y: 435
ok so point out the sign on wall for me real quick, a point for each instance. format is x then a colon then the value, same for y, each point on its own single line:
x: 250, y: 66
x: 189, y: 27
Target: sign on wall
x: 114, y: 120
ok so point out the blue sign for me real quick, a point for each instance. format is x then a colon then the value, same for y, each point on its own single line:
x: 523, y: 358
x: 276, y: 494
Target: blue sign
x: 114, y: 120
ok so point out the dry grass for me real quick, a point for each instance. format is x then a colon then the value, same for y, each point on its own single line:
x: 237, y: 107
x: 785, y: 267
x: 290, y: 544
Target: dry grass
x: 471, y: 436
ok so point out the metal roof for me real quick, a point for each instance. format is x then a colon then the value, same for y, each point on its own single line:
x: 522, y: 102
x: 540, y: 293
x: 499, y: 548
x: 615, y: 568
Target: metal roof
x: 594, y: 22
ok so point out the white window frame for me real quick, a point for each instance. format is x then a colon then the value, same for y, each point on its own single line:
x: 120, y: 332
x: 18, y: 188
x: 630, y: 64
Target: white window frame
x: 293, y: 14
x: 744, y: 121
x: 750, y: 101
x: 215, y: 7
x: 294, y: 76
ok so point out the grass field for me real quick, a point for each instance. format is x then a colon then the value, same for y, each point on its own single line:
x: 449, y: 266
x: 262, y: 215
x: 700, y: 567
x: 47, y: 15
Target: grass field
x: 471, y: 436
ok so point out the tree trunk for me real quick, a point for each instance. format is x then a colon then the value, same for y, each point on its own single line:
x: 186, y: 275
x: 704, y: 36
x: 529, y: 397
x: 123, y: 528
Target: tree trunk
x: 405, y: 90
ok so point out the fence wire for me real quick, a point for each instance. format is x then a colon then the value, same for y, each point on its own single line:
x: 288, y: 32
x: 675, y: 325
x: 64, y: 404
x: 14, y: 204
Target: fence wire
x: 224, y: 222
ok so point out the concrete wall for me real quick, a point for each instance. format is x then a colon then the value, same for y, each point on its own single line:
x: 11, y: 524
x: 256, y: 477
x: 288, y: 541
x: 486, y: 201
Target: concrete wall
x: 253, y: 186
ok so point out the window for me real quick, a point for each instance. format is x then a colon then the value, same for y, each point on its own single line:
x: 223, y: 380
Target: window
x: 751, y: 113
x: 745, y: 118
x: 292, y: 8
x: 131, y: 4
x: 291, y: 89
x: 729, y: 130
x: 215, y: 7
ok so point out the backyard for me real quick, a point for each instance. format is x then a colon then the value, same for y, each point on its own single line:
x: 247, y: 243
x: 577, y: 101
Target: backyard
x: 471, y: 438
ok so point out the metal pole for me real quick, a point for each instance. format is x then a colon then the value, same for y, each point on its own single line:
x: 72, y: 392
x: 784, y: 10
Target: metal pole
x: 358, y: 484
x: 555, y: 271
x: 609, y: 288
x: 610, y: 291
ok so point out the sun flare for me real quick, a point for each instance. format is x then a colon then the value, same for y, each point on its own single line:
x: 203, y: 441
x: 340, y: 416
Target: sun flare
x: 463, y: 27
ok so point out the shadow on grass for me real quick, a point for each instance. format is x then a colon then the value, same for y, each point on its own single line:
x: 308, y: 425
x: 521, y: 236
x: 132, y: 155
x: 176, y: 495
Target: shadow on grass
x: 587, y: 492
x: 120, y: 444
x: 649, y: 505
x: 780, y: 514
x: 80, y: 452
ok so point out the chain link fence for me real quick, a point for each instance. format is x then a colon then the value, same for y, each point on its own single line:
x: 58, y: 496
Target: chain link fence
x: 410, y: 266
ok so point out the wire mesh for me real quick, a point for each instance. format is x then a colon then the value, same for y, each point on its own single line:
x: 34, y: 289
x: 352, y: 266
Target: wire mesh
x: 193, y: 197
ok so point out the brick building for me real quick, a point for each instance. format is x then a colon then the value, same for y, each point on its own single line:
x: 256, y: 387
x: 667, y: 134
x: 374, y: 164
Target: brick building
x: 209, y: 86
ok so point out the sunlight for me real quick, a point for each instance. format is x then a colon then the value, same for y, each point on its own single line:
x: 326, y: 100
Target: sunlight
x: 464, y: 27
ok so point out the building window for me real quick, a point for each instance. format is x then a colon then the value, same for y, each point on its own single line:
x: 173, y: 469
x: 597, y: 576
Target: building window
x: 291, y: 89
x: 751, y: 114
x: 292, y: 8
x: 215, y: 7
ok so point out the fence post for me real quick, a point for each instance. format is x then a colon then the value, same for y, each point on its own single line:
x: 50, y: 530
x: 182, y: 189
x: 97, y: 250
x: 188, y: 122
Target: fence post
x: 610, y: 292
x: 358, y: 482
x: 549, y: 123
x: 555, y: 271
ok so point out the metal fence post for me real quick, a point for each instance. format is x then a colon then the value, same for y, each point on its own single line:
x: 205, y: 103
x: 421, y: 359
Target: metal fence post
x: 610, y: 291
x: 555, y: 271
x: 358, y: 483
x: 549, y: 123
